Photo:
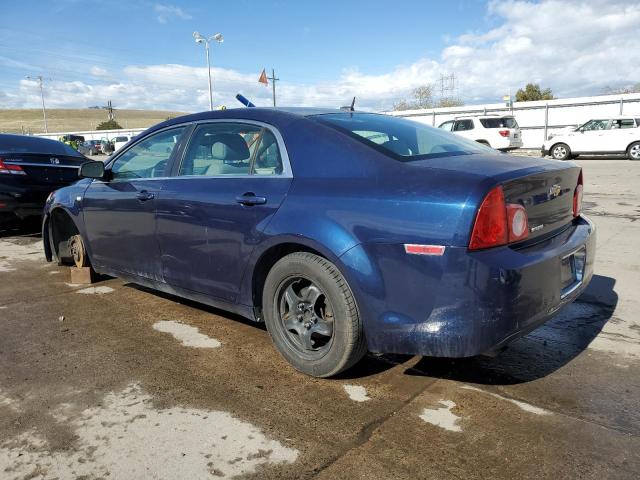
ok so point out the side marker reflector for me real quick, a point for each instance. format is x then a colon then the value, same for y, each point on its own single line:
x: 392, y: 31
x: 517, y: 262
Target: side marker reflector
x: 415, y: 249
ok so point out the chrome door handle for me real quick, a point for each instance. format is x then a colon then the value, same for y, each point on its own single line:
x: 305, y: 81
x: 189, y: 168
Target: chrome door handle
x: 250, y: 198
x: 143, y: 196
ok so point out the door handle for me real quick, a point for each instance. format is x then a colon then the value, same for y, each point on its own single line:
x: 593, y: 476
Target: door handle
x: 248, y: 199
x: 143, y: 196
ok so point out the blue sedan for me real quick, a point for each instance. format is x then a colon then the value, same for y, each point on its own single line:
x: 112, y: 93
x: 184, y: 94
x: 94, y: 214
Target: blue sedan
x: 344, y: 232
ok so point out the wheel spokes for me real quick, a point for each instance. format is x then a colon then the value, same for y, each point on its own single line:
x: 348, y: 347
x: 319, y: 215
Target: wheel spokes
x: 311, y: 294
x: 322, y: 327
x: 292, y: 298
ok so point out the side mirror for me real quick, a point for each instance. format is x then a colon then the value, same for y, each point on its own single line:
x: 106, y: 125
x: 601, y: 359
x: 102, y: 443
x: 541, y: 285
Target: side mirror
x: 91, y: 170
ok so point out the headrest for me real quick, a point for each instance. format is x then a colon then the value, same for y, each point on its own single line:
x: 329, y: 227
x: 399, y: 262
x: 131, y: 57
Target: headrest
x: 397, y: 146
x: 227, y: 146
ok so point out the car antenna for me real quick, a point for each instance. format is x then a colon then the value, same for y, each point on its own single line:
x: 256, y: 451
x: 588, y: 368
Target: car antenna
x: 350, y: 108
x: 244, y: 100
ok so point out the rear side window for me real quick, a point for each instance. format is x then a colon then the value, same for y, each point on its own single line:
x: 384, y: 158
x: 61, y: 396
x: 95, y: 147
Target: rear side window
x: 219, y: 149
x: 401, y: 139
x: 499, y: 122
x: 622, y: 123
x: 25, y: 144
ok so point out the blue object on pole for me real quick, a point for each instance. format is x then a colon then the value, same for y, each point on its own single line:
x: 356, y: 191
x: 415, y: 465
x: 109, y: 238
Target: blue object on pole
x: 244, y: 100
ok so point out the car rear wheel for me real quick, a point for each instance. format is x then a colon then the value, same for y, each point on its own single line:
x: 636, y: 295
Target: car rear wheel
x: 312, y: 316
x: 633, y: 152
x: 561, y: 151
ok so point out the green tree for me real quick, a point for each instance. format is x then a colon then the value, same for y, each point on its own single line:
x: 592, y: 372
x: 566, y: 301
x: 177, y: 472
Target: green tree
x: 423, y: 98
x: 533, y: 92
x: 109, y: 125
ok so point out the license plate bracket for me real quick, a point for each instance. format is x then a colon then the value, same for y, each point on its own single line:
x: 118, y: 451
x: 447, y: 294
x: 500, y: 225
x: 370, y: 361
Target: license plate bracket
x: 572, y: 271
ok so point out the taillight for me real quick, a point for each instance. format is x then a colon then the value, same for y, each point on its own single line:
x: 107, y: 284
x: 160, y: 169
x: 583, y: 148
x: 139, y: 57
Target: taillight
x: 11, y: 169
x: 504, y: 133
x: 577, y: 197
x: 498, y: 223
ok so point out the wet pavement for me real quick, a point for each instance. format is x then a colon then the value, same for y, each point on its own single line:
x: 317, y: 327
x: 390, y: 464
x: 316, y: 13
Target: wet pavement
x: 117, y: 381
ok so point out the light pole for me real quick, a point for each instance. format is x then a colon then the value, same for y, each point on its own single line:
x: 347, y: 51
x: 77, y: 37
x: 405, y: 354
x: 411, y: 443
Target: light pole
x: 44, y: 111
x: 200, y: 39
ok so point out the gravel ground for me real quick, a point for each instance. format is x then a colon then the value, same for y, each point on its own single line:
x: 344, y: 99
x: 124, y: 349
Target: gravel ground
x: 116, y: 381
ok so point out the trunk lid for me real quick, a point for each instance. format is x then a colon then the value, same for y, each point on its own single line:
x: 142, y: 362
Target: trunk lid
x: 44, y: 168
x: 544, y: 188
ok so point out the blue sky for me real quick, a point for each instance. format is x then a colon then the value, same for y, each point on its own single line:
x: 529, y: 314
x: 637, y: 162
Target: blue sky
x: 141, y: 54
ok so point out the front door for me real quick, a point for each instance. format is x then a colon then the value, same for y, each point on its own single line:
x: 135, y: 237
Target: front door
x: 119, y: 213
x: 231, y: 181
x: 589, y: 137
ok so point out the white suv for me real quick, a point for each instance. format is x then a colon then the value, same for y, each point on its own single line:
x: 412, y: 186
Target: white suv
x: 499, y: 132
x: 617, y: 135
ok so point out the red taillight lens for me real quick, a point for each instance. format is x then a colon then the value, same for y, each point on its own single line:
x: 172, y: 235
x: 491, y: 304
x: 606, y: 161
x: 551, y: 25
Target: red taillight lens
x: 10, y: 169
x: 498, y: 223
x: 577, y: 197
x: 490, y: 229
x: 504, y: 133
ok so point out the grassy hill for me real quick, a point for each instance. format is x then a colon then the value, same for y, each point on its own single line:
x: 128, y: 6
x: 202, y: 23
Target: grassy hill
x: 68, y: 119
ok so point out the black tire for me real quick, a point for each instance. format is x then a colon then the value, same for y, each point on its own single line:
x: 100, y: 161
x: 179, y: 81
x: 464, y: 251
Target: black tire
x: 560, y: 151
x: 293, y: 278
x: 633, y: 152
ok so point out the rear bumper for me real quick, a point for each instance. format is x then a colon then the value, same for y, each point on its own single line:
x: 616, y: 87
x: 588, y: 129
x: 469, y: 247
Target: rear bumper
x: 463, y: 303
x: 22, y: 201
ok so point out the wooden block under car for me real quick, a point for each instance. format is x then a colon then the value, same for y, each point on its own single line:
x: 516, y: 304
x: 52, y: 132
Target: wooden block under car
x: 81, y: 275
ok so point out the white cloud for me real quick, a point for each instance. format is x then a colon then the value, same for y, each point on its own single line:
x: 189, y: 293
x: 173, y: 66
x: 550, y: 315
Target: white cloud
x: 164, y: 13
x: 575, y: 47
x: 99, y: 72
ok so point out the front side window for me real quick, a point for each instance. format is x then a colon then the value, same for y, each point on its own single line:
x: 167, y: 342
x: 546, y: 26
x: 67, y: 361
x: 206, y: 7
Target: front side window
x: 446, y: 126
x: 219, y: 149
x: 405, y: 140
x: 148, y: 158
x: 463, y: 125
x: 593, y: 125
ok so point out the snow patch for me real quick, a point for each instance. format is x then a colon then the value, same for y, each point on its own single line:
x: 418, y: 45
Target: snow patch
x: 127, y: 438
x: 12, y: 252
x: 357, y: 393
x: 442, y: 417
x: 527, y: 407
x: 188, y: 335
x: 6, y: 401
x: 96, y: 290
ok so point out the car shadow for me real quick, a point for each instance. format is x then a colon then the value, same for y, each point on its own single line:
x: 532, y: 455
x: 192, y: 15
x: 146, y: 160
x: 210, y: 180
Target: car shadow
x: 20, y: 228
x: 539, y: 353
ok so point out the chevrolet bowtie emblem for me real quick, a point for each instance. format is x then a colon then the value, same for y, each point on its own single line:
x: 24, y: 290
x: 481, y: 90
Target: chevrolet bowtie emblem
x: 554, y: 191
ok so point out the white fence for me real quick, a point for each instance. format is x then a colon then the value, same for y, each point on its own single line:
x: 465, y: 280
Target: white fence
x: 95, y: 134
x: 539, y: 119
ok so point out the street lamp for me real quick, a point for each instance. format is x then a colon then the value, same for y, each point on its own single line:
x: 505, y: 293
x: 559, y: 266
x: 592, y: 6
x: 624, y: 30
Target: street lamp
x: 200, y: 39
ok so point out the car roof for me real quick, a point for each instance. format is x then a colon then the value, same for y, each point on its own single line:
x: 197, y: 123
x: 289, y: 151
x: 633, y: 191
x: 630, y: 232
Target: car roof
x: 488, y: 115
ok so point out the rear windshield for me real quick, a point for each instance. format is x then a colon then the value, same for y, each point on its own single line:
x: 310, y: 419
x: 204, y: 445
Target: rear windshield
x: 499, y: 122
x: 401, y: 139
x: 25, y: 144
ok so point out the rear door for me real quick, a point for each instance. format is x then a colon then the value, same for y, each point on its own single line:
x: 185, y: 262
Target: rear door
x: 119, y: 214
x: 623, y: 132
x: 232, y: 179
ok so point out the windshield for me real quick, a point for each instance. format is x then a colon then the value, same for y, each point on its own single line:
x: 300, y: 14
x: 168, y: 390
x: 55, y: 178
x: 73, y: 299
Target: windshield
x: 499, y: 122
x: 401, y: 139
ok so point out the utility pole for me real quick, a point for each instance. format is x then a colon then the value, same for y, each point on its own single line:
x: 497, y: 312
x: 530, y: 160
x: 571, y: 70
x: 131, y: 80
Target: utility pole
x: 44, y: 111
x: 273, y: 84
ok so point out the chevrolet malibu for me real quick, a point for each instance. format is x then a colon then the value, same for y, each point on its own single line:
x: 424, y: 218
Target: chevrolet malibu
x: 344, y: 232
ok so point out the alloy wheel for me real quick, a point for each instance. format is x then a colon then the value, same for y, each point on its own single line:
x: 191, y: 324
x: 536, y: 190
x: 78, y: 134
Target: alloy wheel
x: 307, y: 316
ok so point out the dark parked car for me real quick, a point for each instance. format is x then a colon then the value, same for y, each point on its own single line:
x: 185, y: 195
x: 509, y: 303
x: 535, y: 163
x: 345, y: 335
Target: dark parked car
x: 343, y: 231
x: 90, y: 147
x: 30, y: 169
